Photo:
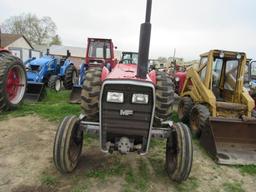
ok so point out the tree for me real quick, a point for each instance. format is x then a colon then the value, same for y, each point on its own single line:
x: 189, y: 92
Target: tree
x: 37, y: 31
x: 56, y: 40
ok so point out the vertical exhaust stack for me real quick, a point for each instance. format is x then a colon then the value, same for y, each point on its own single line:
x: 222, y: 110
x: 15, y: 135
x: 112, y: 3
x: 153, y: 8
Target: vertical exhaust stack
x: 145, y: 33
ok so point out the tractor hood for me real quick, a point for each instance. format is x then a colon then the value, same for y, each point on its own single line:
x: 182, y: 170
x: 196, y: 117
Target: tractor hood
x: 128, y: 72
x: 41, y: 61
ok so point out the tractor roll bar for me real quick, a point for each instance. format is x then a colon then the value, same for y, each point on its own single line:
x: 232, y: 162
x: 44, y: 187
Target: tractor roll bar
x: 145, y: 33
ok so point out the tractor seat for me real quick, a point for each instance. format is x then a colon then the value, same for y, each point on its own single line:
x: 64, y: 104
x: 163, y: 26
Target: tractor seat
x: 231, y: 106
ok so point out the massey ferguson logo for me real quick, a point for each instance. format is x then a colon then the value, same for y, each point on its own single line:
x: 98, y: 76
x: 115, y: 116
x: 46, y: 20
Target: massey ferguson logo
x: 126, y: 112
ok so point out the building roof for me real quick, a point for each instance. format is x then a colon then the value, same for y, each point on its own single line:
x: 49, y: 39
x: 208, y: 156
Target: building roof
x: 7, y: 39
x: 62, y: 51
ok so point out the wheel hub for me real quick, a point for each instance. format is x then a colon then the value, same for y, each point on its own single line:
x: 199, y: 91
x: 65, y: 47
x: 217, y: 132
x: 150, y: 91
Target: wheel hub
x: 15, y: 85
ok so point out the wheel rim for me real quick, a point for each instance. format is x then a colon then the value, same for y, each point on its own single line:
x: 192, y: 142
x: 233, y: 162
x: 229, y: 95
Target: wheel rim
x: 74, y: 77
x: 75, y: 145
x: 16, y: 84
x: 194, y: 122
x: 57, y: 85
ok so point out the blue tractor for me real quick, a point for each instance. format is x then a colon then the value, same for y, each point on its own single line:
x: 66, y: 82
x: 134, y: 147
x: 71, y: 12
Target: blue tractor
x: 48, y: 71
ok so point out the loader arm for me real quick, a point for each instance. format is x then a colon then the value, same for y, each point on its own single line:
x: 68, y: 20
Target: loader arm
x: 198, y: 92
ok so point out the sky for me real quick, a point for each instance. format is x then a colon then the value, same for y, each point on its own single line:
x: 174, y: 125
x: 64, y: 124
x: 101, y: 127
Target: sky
x: 191, y: 27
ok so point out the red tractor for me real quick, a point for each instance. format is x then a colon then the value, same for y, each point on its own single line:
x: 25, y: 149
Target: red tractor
x: 99, y: 53
x: 13, y: 80
x: 127, y: 107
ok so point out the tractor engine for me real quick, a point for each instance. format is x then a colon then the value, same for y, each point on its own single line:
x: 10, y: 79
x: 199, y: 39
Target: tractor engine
x: 126, y: 115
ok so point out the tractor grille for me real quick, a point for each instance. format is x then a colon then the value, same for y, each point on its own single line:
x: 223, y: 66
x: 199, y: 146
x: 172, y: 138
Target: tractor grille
x: 135, y: 126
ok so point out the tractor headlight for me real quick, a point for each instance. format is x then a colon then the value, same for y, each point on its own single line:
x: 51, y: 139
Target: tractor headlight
x: 177, y: 79
x: 140, y: 98
x: 115, y: 97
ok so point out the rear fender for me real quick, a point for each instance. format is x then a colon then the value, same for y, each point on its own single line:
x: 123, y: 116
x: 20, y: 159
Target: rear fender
x: 4, y: 50
x: 104, y: 73
x: 152, y: 76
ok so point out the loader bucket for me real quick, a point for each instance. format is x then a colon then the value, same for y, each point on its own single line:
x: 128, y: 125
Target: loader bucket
x: 35, y: 91
x: 231, y: 141
x: 75, y: 96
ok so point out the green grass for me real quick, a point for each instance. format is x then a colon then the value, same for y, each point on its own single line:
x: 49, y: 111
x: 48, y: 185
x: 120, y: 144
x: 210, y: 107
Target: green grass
x: 233, y: 187
x: 112, y: 167
x: 54, y: 107
x: 190, y: 185
x: 139, y: 179
x: 248, y: 169
x: 158, y: 163
x: 48, y: 180
x: 175, y: 117
x: 81, y: 188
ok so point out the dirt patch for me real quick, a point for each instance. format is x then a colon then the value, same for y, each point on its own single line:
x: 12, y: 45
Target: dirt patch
x: 25, y: 150
x: 26, y: 155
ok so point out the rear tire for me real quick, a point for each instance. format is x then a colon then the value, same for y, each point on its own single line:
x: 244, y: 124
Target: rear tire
x: 68, y: 144
x: 164, y: 97
x: 54, y: 83
x: 10, y: 64
x: 69, y: 80
x: 91, y: 93
x: 184, y: 108
x: 179, y: 153
x: 199, y: 119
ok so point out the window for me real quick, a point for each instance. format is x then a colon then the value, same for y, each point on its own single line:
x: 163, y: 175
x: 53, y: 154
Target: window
x: 100, y: 49
x: 253, y: 68
x: 203, y: 61
x: 231, y: 74
x: 130, y: 58
x: 216, y: 71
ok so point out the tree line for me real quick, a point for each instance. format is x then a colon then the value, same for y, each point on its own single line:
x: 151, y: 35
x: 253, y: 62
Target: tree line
x: 38, y: 31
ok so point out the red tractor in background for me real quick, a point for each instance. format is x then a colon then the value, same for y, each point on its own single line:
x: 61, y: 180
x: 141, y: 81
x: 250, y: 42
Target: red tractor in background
x: 127, y: 106
x: 129, y: 57
x: 99, y: 53
x: 13, y: 80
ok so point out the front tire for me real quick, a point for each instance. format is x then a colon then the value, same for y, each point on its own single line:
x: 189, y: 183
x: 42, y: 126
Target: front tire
x: 199, y: 119
x: 13, y: 81
x: 179, y: 153
x: 164, y: 97
x: 91, y: 93
x: 54, y: 83
x: 68, y: 144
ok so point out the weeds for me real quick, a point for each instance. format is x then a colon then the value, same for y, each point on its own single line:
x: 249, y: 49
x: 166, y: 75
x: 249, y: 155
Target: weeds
x: 114, y: 167
x: 48, y: 180
x: 248, y: 169
x: 233, y: 187
x: 190, y: 185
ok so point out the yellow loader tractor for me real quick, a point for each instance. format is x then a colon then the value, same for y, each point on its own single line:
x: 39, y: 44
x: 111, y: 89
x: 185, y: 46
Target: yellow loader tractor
x: 218, y: 107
